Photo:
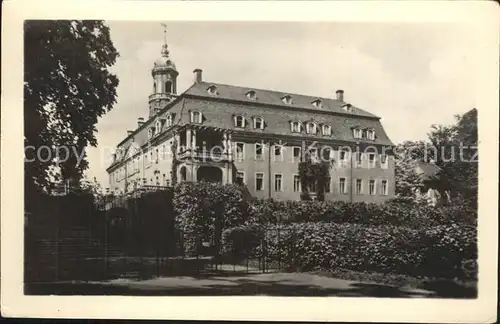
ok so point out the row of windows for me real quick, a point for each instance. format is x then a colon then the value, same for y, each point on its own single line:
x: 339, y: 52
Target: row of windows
x: 368, y: 133
x: 310, y: 127
x: 156, y: 130
x: 134, y: 165
x: 240, y: 121
x: 297, y: 185
x: 287, y: 99
x: 326, y: 154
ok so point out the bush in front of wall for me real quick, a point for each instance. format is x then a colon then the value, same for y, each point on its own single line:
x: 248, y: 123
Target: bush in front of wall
x: 204, y: 209
x: 431, y: 252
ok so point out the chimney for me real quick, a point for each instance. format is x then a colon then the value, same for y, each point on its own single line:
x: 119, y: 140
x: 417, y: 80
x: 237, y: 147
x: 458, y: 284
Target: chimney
x: 340, y: 95
x: 129, y: 132
x: 197, y: 76
x: 140, y: 122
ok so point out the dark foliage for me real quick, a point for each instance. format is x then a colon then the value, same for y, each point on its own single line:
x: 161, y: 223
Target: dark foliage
x: 67, y: 87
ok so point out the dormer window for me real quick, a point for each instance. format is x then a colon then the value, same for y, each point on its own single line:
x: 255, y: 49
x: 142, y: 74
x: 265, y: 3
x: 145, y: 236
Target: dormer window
x: 295, y: 127
x: 212, y: 90
x: 196, y: 117
x: 311, y: 128
x: 357, y: 133
x: 326, y: 130
x: 258, y: 123
x: 370, y: 134
x: 287, y: 99
x: 317, y: 103
x: 168, y: 120
x: 151, y: 132
x: 347, y: 107
x: 252, y: 95
x: 158, y: 127
x: 239, y: 121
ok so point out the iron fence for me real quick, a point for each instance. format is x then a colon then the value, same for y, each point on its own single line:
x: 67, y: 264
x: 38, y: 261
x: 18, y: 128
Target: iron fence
x: 68, y: 241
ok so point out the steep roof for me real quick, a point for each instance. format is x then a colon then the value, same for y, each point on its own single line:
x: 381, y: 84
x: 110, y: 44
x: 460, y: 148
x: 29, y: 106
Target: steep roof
x: 218, y: 111
x: 271, y: 97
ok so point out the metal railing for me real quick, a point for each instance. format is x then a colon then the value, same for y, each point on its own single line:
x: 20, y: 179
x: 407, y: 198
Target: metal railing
x: 205, y: 155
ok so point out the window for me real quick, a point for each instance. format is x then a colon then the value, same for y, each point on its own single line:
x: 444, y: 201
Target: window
x: 343, y: 155
x: 312, y: 186
x: 326, y: 153
x: 240, y: 152
x: 370, y: 134
x: 295, y: 127
x: 252, y: 95
x: 342, y: 186
x: 258, y: 123
x: 296, y: 183
x: 278, y: 179
x: 347, y: 107
x: 359, y: 160
x: 212, y: 90
x: 183, y: 172
x: 158, y: 127
x: 278, y: 153
x: 357, y: 133
x: 371, y: 187
x: 317, y: 103
x: 240, y: 177
x: 359, y: 186
x: 327, y: 130
x: 311, y: 128
x: 371, y: 160
x: 328, y: 183
x: 196, y: 117
x: 156, y: 155
x: 383, y: 161
x: 259, y: 151
x: 383, y: 189
x: 239, y: 121
x: 287, y: 99
x: 296, y: 153
x: 259, y: 181
x: 168, y: 87
x: 169, y: 120
x: 150, y: 132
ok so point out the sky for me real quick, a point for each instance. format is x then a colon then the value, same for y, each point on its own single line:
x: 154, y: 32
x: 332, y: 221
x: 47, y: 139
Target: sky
x: 412, y: 75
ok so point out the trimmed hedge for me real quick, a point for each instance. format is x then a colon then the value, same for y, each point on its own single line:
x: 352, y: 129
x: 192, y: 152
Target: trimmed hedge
x: 204, y: 209
x: 398, y: 212
x: 440, y: 251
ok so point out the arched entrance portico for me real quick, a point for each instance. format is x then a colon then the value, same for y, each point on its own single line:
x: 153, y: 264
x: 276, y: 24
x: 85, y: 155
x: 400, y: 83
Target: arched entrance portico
x: 209, y: 174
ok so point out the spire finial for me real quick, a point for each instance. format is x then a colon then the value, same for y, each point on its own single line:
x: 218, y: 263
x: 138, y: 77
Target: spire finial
x: 164, y: 48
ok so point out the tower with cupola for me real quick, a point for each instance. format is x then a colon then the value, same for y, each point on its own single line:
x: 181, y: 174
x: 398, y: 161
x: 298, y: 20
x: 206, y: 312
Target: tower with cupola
x: 164, y: 75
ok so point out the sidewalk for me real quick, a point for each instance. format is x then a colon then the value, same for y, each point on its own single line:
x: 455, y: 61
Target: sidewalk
x: 263, y: 284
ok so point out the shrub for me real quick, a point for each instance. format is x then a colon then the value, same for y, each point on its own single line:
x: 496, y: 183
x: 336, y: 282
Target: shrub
x: 437, y: 252
x: 397, y: 212
x: 204, y: 209
x: 241, y: 242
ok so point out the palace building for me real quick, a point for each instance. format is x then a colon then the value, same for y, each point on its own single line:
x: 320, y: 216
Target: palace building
x: 255, y: 137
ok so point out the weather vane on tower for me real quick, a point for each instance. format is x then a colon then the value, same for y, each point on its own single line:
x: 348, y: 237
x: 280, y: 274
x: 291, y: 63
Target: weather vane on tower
x: 164, y: 49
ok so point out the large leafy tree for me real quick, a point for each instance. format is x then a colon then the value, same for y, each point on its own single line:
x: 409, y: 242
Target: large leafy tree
x: 458, y: 160
x: 67, y: 87
x: 453, y: 149
x: 407, y: 155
